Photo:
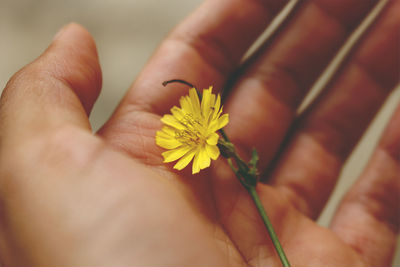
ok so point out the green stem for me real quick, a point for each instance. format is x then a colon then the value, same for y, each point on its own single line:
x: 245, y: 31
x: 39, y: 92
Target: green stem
x: 249, y: 181
x: 268, y: 225
x: 226, y: 138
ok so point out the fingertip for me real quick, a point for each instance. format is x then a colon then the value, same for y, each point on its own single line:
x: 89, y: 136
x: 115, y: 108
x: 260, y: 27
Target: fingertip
x: 67, y: 28
x: 74, y: 31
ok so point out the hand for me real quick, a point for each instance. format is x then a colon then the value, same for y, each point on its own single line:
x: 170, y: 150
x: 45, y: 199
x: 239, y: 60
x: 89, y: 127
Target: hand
x: 69, y: 198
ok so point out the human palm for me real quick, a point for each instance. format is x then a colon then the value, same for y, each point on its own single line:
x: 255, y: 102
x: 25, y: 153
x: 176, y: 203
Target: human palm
x: 73, y: 199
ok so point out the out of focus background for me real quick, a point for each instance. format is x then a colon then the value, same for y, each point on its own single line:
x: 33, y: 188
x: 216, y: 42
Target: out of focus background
x: 126, y: 33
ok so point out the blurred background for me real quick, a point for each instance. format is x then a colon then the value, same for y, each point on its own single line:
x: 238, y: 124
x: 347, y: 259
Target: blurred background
x: 126, y: 33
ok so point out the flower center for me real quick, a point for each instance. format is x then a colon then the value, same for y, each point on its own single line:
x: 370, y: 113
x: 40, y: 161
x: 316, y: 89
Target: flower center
x: 193, y: 132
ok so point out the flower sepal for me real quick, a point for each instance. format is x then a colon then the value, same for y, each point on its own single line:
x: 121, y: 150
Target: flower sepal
x: 246, y: 173
x: 226, y: 148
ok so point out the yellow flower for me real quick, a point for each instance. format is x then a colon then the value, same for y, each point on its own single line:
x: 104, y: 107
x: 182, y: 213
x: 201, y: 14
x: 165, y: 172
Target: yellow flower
x: 190, y: 131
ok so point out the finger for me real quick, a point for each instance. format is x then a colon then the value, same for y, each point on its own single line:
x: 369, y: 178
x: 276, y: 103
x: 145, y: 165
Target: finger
x: 203, y: 50
x: 121, y: 128
x: 309, y: 167
x: 58, y: 88
x: 273, y: 87
x: 368, y: 218
x: 262, y: 106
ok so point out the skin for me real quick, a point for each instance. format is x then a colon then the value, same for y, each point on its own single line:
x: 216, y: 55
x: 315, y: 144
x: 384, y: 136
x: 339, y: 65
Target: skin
x: 71, y: 198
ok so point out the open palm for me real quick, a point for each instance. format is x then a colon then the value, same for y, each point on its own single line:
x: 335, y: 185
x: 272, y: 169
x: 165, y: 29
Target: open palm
x: 69, y: 198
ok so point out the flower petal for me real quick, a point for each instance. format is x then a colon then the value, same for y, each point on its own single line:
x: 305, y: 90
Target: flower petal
x: 162, y: 134
x: 206, y: 103
x: 172, y: 121
x: 201, y: 160
x: 213, y: 139
x: 196, y: 163
x: 177, y: 113
x: 223, y: 121
x: 217, y: 107
x: 212, y: 151
x: 185, y: 160
x: 212, y: 127
x: 185, y: 104
x: 194, y: 99
x: 167, y: 143
x: 174, y: 154
x: 168, y: 131
x: 204, y: 159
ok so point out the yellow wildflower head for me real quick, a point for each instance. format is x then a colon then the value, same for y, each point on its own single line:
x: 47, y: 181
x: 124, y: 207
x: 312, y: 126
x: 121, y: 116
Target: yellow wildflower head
x: 191, y: 130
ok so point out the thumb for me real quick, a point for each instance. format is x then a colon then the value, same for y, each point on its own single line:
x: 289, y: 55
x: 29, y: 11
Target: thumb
x: 60, y: 87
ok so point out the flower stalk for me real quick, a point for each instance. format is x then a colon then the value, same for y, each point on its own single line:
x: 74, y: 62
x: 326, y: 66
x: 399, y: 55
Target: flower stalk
x: 278, y: 247
x: 187, y: 134
x: 247, y: 174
